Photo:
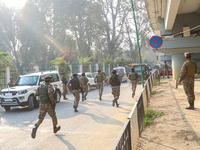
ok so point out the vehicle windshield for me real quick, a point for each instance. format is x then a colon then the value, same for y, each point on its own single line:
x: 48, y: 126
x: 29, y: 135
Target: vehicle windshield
x: 26, y: 80
x: 137, y: 68
x: 119, y: 70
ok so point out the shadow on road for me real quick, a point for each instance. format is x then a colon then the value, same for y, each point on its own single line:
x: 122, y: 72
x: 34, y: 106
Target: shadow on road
x: 69, y: 145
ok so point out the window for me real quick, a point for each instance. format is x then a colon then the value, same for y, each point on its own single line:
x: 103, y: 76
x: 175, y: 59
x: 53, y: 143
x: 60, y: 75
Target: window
x: 89, y: 76
x: 55, y: 78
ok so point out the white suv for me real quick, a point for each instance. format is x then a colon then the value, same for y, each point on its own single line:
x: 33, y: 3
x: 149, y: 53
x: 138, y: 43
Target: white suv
x: 22, y: 94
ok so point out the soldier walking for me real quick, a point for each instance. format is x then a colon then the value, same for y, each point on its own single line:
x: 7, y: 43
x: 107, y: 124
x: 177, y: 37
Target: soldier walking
x: 133, y: 76
x: 74, y: 85
x: 166, y: 70
x: 188, y: 70
x: 11, y: 83
x: 99, y: 80
x: 84, y: 80
x: 64, y: 81
x: 115, y: 83
x: 45, y: 93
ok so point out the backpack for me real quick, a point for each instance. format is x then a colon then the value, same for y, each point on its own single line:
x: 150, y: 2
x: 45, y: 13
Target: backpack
x: 43, y: 94
x: 99, y: 77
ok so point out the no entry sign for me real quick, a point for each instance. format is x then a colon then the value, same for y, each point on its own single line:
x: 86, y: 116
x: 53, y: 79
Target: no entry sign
x: 156, y: 41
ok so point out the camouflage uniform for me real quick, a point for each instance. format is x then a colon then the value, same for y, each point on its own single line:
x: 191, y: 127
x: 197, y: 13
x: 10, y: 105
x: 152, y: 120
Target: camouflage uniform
x: 188, y: 80
x: 84, y: 80
x: 44, y: 108
x: 76, y: 94
x: 64, y: 81
x: 166, y: 70
x: 115, y: 88
x: 133, y: 82
x: 99, y: 84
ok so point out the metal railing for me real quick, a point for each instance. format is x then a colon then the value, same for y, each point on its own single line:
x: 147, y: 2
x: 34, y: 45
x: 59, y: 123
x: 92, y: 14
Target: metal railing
x: 129, y: 136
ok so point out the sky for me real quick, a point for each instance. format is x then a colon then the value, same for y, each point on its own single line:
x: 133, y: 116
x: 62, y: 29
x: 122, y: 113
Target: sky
x: 14, y: 3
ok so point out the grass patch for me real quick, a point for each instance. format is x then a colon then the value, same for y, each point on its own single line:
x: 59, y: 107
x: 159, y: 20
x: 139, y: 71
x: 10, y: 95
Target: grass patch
x: 156, y: 83
x: 156, y: 92
x: 150, y: 115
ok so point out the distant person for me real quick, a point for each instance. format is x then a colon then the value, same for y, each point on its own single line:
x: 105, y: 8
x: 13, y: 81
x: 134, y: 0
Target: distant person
x: 11, y: 83
x: 133, y: 76
x: 104, y: 77
x: 165, y: 70
x: 74, y: 85
x: 64, y: 82
x: 45, y: 93
x: 115, y: 83
x: 85, y: 81
x: 99, y: 80
x: 188, y: 70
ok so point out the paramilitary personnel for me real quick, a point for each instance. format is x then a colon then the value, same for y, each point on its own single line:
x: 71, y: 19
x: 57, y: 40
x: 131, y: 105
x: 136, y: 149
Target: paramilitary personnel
x: 76, y: 85
x: 64, y: 81
x: 11, y: 83
x: 84, y: 80
x: 133, y: 76
x: 45, y: 93
x: 165, y: 70
x: 115, y: 83
x: 99, y: 80
x: 188, y: 70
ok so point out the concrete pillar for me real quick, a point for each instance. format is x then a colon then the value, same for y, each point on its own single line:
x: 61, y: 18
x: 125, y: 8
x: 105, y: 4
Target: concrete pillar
x: 81, y: 68
x: 177, y: 62
x: 97, y: 67
x: 90, y: 65
x: 7, y: 74
x: 103, y: 67
x: 56, y: 67
x: 70, y: 73
x: 36, y: 68
x: 108, y: 69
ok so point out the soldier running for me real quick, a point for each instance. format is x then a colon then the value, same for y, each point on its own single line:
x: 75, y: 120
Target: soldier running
x: 84, y: 80
x: 74, y: 85
x: 45, y: 93
x: 64, y: 81
x: 133, y: 76
x: 99, y: 80
x: 188, y: 70
x: 115, y: 83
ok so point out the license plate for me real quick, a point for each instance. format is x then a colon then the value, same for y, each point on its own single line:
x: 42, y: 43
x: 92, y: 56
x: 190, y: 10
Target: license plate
x: 8, y: 94
x: 8, y: 100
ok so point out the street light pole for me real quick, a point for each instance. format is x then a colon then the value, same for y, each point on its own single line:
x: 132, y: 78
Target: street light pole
x: 138, y: 44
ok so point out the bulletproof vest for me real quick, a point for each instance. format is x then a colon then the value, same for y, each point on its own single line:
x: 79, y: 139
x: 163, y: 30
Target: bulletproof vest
x: 133, y: 76
x: 190, y: 68
x: 99, y: 77
x: 114, y: 80
x: 84, y: 80
x: 43, y: 94
x: 75, y: 84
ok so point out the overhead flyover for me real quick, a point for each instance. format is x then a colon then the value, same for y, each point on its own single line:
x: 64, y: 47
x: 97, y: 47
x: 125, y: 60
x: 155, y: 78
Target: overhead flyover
x: 178, y: 22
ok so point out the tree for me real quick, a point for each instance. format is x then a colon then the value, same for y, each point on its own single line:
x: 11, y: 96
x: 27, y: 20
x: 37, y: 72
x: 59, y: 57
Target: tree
x: 85, y: 63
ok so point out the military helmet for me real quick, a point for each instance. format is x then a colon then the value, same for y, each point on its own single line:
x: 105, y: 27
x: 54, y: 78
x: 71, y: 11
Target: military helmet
x: 99, y: 70
x: 75, y: 75
x: 47, y: 78
x: 187, y: 54
x: 114, y: 72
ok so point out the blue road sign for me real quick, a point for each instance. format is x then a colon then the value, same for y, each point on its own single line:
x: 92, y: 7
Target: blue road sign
x: 156, y: 41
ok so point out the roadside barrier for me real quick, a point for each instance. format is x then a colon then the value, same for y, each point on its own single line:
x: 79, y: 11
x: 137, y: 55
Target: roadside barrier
x: 128, y: 138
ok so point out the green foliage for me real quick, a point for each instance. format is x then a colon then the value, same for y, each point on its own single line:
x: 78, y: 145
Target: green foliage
x: 62, y: 64
x: 120, y: 61
x: 149, y: 116
x: 156, y: 92
x: 85, y: 63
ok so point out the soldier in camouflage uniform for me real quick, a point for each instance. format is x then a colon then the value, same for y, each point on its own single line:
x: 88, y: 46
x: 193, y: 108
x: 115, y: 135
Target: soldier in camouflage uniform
x: 188, y: 70
x: 115, y: 83
x: 166, y: 70
x: 99, y: 80
x: 74, y: 85
x: 133, y: 76
x: 11, y: 83
x: 84, y: 80
x: 45, y: 93
x: 64, y: 82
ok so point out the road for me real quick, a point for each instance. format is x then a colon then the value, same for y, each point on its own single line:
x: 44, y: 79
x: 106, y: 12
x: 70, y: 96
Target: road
x: 95, y: 126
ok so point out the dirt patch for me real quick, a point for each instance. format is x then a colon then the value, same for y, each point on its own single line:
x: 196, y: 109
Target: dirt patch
x: 178, y: 128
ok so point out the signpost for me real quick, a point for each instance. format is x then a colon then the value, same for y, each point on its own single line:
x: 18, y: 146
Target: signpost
x: 156, y: 42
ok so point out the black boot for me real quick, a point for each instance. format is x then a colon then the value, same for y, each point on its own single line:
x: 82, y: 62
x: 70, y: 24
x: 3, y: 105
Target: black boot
x: 116, y: 103
x: 113, y: 103
x: 65, y: 98
x: 85, y: 97
x: 133, y: 95
x: 100, y: 97
x: 82, y: 98
x: 34, y: 130
x: 75, y: 109
x: 191, y: 106
x: 56, y: 129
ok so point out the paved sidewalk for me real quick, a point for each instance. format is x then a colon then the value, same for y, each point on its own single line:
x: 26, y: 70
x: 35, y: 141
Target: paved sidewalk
x: 178, y: 128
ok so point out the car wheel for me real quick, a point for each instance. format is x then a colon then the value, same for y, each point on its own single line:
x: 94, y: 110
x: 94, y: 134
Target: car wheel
x: 89, y: 88
x: 58, y: 96
x: 30, y: 103
x: 7, y: 108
